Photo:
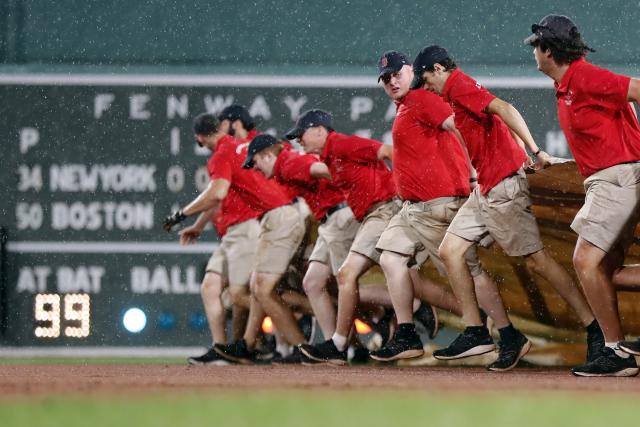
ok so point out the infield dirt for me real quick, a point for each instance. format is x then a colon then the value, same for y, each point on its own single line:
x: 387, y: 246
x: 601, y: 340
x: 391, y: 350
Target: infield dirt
x: 57, y: 380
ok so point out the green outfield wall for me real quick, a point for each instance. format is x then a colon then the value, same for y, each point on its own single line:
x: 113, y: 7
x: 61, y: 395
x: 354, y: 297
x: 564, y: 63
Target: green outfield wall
x: 282, y: 34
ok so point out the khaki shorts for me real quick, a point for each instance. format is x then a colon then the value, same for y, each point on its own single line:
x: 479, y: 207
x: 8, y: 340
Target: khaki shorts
x: 504, y: 214
x: 611, y: 208
x: 335, y: 237
x: 281, y: 232
x: 418, y: 229
x: 372, y: 227
x: 235, y: 256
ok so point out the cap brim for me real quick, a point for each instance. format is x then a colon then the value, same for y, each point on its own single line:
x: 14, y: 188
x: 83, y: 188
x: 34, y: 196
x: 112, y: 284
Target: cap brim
x: 531, y: 39
x: 294, y: 133
x: 248, y: 162
x: 388, y: 70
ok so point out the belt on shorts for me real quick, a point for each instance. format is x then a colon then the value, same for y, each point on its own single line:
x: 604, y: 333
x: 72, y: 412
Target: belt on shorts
x: 434, y: 202
x: 332, y: 210
x: 291, y: 203
x: 377, y: 205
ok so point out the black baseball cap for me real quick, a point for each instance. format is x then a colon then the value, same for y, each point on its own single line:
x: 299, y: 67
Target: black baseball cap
x: 310, y: 119
x: 236, y: 112
x: 558, y: 28
x: 256, y: 145
x: 391, y: 62
x: 425, y: 60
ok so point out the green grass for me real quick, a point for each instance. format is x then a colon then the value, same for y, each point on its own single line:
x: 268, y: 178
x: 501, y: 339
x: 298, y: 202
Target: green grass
x: 325, y: 409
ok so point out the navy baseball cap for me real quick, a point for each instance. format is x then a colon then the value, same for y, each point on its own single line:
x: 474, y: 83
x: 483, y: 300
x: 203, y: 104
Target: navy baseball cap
x: 552, y: 27
x: 236, y: 112
x: 425, y: 60
x: 256, y: 145
x: 391, y: 62
x: 310, y: 119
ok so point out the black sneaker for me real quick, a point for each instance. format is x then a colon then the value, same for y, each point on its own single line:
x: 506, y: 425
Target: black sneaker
x: 609, y: 364
x: 595, y: 342
x: 307, y: 324
x: 474, y: 340
x: 211, y: 357
x: 236, y: 352
x: 359, y: 356
x: 631, y: 347
x: 510, y: 353
x: 325, y: 352
x: 400, y: 347
x: 428, y: 316
x: 295, y: 358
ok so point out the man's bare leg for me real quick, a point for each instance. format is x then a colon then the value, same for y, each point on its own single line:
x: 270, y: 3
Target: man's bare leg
x: 399, y: 283
x: 297, y: 301
x: 490, y: 300
x: 588, y: 261
x: 354, y: 266
x: 315, y: 285
x: 211, y: 293
x: 282, y: 317
x: 544, y: 265
x: 239, y: 317
x: 452, y: 252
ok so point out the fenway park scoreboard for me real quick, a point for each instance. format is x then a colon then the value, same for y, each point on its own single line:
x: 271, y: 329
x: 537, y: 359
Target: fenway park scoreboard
x: 91, y: 164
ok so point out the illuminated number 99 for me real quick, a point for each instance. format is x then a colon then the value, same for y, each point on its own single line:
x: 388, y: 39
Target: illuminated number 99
x: 76, y: 311
x: 47, y: 310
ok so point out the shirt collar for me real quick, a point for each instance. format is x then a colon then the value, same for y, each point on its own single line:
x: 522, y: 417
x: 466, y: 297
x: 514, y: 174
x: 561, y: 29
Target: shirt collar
x: 563, y: 86
x: 447, y: 85
x: 327, y: 147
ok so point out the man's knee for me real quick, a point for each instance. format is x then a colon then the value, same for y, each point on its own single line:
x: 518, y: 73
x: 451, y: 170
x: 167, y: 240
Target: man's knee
x: 313, y: 284
x: 237, y: 293
x: 263, y: 288
x: 452, y: 248
x: 391, y: 262
x: 537, y: 261
x: 346, y: 276
x: 211, y: 285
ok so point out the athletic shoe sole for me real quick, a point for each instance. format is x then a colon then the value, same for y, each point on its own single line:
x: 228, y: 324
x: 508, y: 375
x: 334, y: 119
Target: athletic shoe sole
x: 628, y: 350
x: 234, y: 359
x: 525, y: 349
x: 407, y: 354
x: 335, y: 362
x: 475, y: 351
x: 627, y: 372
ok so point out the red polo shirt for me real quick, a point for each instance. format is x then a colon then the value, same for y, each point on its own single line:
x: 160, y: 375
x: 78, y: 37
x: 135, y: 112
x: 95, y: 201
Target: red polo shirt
x: 233, y: 211
x: 598, y: 122
x: 355, y: 169
x: 494, y: 153
x: 428, y: 162
x: 294, y: 169
x: 259, y: 193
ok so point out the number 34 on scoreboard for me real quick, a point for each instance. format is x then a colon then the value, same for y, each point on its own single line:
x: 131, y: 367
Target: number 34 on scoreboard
x: 48, y: 314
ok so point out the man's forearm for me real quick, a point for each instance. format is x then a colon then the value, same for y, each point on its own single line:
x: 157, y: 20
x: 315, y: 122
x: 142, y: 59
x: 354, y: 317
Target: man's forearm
x: 513, y: 119
x: 204, y: 218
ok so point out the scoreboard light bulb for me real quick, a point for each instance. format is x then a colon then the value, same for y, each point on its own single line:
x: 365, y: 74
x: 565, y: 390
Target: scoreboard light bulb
x: 134, y: 320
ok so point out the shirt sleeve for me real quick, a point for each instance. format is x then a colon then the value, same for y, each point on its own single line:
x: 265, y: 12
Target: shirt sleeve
x: 431, y: 109
x: 471, y: 95
x: 221, y: 165
x: 210, y: 167
x: 297, y: 169
x: 608, y: 89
